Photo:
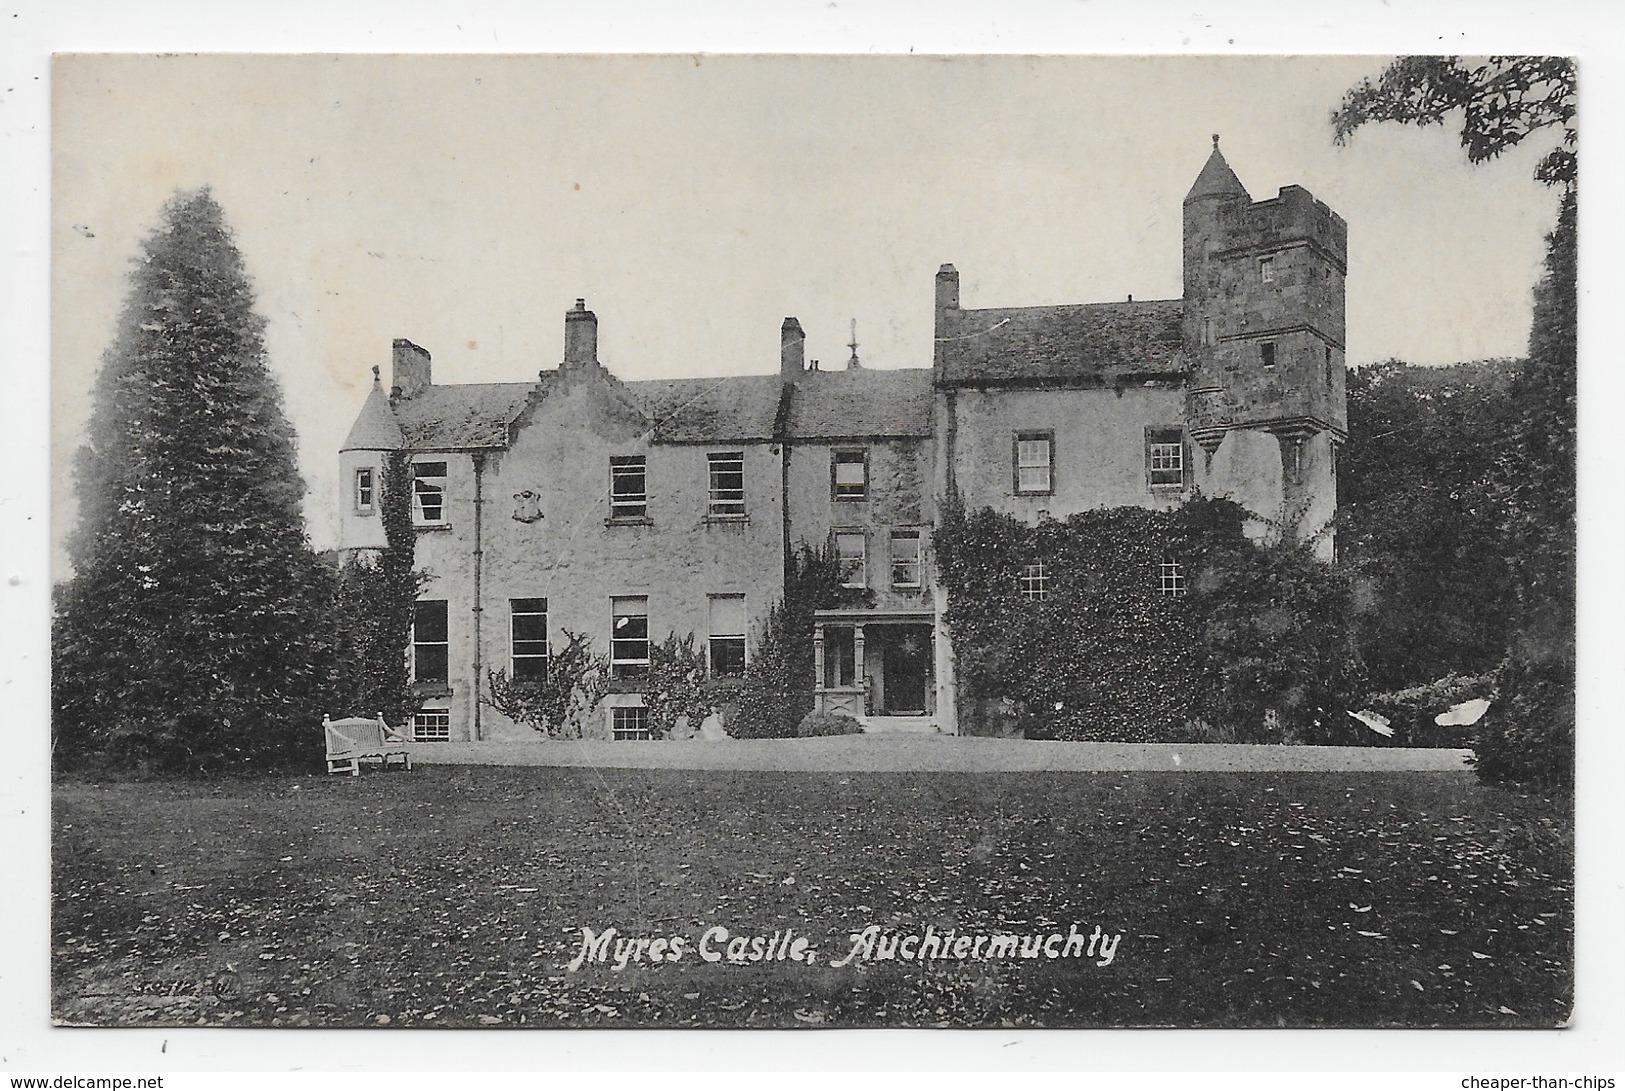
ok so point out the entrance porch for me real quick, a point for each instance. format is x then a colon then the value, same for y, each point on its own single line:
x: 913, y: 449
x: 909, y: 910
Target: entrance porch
x: 877, y: 667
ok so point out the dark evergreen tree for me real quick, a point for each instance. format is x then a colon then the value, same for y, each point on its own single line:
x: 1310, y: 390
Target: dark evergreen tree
x: 193, y: 629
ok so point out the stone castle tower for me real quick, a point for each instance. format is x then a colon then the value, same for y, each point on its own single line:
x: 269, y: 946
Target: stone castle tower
x: 1264, y: 330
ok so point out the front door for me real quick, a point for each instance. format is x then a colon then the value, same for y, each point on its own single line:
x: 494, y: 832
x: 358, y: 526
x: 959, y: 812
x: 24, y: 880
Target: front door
x: 906, y: 660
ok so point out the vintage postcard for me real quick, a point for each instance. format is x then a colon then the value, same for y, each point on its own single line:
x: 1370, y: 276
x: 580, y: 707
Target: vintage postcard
x: 566, y: 542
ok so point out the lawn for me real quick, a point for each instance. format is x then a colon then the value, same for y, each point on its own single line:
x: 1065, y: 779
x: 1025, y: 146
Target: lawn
x: 456, y: 895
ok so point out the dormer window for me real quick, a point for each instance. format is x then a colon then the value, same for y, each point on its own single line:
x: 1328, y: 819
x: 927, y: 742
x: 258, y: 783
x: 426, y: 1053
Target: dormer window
x: 429, y: 494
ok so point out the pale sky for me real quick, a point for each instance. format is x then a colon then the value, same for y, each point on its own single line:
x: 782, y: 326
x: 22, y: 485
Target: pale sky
x: 465, y: 202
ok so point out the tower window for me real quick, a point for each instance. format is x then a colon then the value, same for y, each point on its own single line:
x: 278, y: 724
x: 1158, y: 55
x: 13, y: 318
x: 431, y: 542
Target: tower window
x: 1328, y: 365
x: 1207, y: 331
x: 364, y: 488
x: 1266, y: 270
x: 1266, y: 353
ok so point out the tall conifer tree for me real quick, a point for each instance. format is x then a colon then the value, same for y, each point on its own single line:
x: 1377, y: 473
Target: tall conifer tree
x: 191, y: 625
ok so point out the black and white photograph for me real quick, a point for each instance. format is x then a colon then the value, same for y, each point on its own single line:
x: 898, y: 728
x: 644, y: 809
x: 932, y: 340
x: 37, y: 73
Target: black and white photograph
x: 806, y: 542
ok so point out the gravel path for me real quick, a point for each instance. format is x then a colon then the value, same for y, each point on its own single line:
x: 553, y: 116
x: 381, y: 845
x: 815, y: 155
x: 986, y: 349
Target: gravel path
x: 947, y: 753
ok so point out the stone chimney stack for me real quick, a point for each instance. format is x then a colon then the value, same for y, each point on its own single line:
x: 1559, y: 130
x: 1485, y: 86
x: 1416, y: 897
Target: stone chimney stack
x: 580, y: 335
x: 947, y: 306
x: 410, y: 374
x: 947, y: 289
x: 792, y: 350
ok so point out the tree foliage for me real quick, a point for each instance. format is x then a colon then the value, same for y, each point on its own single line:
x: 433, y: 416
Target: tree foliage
x: 192, y: 629
x: 1418, y: 529
x: 1501, y: 102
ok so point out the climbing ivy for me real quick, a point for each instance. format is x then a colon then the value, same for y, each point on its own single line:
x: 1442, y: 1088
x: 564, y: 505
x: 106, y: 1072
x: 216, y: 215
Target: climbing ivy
x: 373, y: 614
x: 1255, y: 639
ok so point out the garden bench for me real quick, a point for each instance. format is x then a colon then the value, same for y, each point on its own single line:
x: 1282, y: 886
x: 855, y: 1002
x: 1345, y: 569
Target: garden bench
x: 357, y: 739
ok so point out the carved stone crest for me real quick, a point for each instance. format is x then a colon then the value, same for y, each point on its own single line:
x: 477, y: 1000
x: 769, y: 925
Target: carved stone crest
x: 527, y: 506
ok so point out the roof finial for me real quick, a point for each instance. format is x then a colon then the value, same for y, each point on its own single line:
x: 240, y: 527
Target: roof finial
x: 853, y: 345
x: 375, y: 379
x: 1215, y: 141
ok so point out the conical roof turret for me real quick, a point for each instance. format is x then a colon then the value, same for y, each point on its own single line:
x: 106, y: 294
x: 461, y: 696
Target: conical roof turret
x: 1216, y: 179
x: 375, y: 427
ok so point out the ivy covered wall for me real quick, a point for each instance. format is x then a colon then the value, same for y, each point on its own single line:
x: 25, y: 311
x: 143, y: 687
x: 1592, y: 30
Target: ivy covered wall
x: 1143, y: 625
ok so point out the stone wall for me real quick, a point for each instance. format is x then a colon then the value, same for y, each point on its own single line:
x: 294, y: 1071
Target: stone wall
x: 1099, y: 449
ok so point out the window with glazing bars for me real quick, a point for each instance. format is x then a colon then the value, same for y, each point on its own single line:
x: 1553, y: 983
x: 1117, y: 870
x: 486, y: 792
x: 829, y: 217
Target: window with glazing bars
x: 431, y: 725
x: 849, y: 555
x: 628, y: 487
x: 849, y: 474
x: 364, y: 490
x: 629, y: 723
x: 1171, y: 577
x: 527, y: 627
x: 428, y: 493
x: 1034, y: 582
x: 727, y: 483
x: 905, y: 558
x: 1165, y: 457
x: 727, y: 643
x: 629, y: 637
x: 1034, y: 463
x: 430, y: 642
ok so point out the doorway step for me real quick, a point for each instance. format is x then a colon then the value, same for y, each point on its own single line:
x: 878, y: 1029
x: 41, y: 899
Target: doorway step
x: 918, y: 725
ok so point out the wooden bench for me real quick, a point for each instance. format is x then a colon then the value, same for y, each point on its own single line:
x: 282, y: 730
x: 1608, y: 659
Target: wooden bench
x: 357, y: 739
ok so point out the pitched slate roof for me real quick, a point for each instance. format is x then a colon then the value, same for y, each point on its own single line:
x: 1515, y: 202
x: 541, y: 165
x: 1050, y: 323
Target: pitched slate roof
x: 725, y: 409
x: 461, y: 416
x: 1087, y: 340
x: 859, y: 402
x: 374, y: 428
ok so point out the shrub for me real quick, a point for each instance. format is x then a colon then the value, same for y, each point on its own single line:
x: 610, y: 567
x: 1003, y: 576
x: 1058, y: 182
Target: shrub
x: 1528, y: 735
x: 1410, y: 711
x: 818, y: 723
x: 556, y: 705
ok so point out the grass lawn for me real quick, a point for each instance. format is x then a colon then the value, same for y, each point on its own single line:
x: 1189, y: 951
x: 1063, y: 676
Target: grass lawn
x: 455, y: 895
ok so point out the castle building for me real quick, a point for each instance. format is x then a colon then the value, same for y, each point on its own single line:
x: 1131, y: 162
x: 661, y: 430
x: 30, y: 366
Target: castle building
x: 624, y: 511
